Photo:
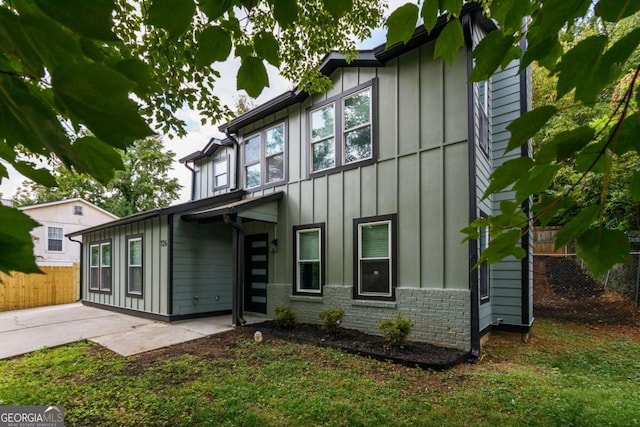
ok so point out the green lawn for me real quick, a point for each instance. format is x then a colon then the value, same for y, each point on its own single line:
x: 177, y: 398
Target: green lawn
x: 566, y: 375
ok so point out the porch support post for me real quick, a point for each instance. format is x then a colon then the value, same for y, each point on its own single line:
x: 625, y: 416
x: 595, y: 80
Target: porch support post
x: 238, y: 269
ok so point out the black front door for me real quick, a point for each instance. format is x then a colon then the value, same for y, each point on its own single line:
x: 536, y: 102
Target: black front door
x: 256, y: 272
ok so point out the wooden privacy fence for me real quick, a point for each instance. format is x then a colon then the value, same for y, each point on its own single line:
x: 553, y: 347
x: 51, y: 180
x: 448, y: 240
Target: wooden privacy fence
x: 544, y: 241
x: 59, y: 285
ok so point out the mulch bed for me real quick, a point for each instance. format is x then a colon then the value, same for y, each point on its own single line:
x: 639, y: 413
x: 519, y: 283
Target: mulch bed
x: 414, y: 354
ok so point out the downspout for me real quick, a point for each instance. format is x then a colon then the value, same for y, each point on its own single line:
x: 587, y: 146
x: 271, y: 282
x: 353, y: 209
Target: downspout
x: 473, y: 251
x: 193, y: 180
x: 238, y: 271
x: 81, y: 262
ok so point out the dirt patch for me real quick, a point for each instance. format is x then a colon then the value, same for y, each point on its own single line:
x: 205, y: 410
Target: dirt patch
x: 414, y: 354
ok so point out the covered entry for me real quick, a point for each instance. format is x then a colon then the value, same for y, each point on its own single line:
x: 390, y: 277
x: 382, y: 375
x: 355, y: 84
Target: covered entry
x: 250, y: 252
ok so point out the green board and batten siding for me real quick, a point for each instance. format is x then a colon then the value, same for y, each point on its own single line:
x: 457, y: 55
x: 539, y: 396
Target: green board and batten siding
x: 203, y: 179
x: 202, y: 267
x: 155, y: 297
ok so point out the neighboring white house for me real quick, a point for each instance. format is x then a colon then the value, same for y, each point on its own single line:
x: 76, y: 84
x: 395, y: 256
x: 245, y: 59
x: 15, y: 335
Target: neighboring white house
x: 5, y: 202
x: 50, y: 246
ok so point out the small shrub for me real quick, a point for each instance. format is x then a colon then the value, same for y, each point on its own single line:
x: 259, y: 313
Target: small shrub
x: 395, y: 331
x: 285, y: 316
x: 331, y: 319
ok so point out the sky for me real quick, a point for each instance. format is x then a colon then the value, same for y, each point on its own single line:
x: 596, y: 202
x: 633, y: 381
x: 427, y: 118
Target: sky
x: 197, y: 135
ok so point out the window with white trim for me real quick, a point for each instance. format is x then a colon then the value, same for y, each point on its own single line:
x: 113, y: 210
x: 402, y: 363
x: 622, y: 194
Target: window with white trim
x: 483, y: 116
x: 100, y: 266
x: 309, y: 253
x: 55, y: 239
x: 341, y: 130
x: 221, y: 173
x: 483, y: 269
x: 134, y: 265
x: 264, y: 157
x: 375, y: 246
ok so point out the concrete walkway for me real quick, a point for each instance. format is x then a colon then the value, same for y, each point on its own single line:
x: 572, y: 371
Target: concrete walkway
x: 23, y: 331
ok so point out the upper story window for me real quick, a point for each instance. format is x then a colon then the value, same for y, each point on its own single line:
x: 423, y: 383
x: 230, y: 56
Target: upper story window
x: 55, y: 236
x: 483, y: 116
x: 77, y: 210
x: 342, y: 130
x: 221, y: 173
x: 264, y: 157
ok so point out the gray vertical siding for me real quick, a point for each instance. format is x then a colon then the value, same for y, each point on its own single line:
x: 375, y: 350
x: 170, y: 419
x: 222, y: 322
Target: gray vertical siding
x: 506, y: 300
x: 202, y: 267
x: 155, y: 234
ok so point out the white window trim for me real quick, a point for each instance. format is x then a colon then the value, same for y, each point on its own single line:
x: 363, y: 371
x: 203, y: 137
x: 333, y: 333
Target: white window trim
x: 321, y: 140
x: 298, y: 261
x: 216, y: 162
x: 91, y: 267
x: 102, y: 288
x: 487, y: 297
x: 390, y: 258
x: 46, y: 249
x: 369, y: 123
x: 129, y: 265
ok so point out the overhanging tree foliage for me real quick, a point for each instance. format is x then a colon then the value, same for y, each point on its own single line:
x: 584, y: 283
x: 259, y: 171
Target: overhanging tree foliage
x: 143, y: 184
x: 65, y: 66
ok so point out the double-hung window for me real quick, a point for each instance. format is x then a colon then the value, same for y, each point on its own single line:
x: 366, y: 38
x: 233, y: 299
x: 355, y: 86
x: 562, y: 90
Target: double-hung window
x: 483, y: 269
x: 264, y: 157
x: 309, y: 262
x: 134, y: 265
x: 55, y: 236
x: 221, y: 173
x: 375, y: 257
x: 100, y: 266
x: 341, y: 130
x: 483, y: 116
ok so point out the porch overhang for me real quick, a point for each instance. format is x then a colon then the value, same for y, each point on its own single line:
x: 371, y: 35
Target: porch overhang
x: 262, y: 208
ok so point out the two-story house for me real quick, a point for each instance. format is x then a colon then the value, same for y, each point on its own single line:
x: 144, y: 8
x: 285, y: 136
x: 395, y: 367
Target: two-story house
x: 350, y: 199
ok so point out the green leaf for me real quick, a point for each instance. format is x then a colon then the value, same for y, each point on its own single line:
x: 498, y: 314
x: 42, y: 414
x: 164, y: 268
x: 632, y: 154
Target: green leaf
x: 90, y: 18
x: 527, y: 125
x: 429, y: 14
x: 243, y: 51
x: 449, y: 42
x: 509, y: 14
x: 337, y: 8
x: 577, y: 226
x: 214, y: 9
x: 454, y: 7
x: 547, y: 52
x: 508, y: 173
x: 502, y: 246
x: 99, y: 97
x: 139, y: 72
x: 175, y: 16
x: 401, y: 24
x: 15, y: 238
x: 601, y: 249
x: 267, y: 48
x: 536, y: 181
x: 634, y: 187
x: 615, y: 10
x: 627, y: 137
x: 565, y: 144
x: 252, y: 76
x: 548, y: 206
x: 41, y: 176
x: 285, y: 12
x: 214, y: 44
x: 490, y: 53
x: 96, y: 158
x: 593, y: 157
x: 511, y: 216
x: 618, y: 54
x: 579, y: 68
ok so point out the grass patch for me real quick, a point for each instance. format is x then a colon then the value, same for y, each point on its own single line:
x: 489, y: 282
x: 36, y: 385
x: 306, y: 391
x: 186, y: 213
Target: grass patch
x: 566, y: 375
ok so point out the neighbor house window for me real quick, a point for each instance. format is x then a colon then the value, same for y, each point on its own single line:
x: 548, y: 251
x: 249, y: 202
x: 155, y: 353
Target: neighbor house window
x: 221, y: 173
x: 55, y: 236
x: 341, y: 130
x: 309, y: 262
x: 483, y: 116
x: 100, y: 266
x: 375, y: 247
x: 134, y: 265
x: 77, y: 210
x: 483, y: 269
x: 264, y: 157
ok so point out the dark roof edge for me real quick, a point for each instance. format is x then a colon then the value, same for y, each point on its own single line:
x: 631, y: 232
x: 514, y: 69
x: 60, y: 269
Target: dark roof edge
x: 235, y: 195
x: 223, y: 210
x: 376, y: 57
x: 212, y: 146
